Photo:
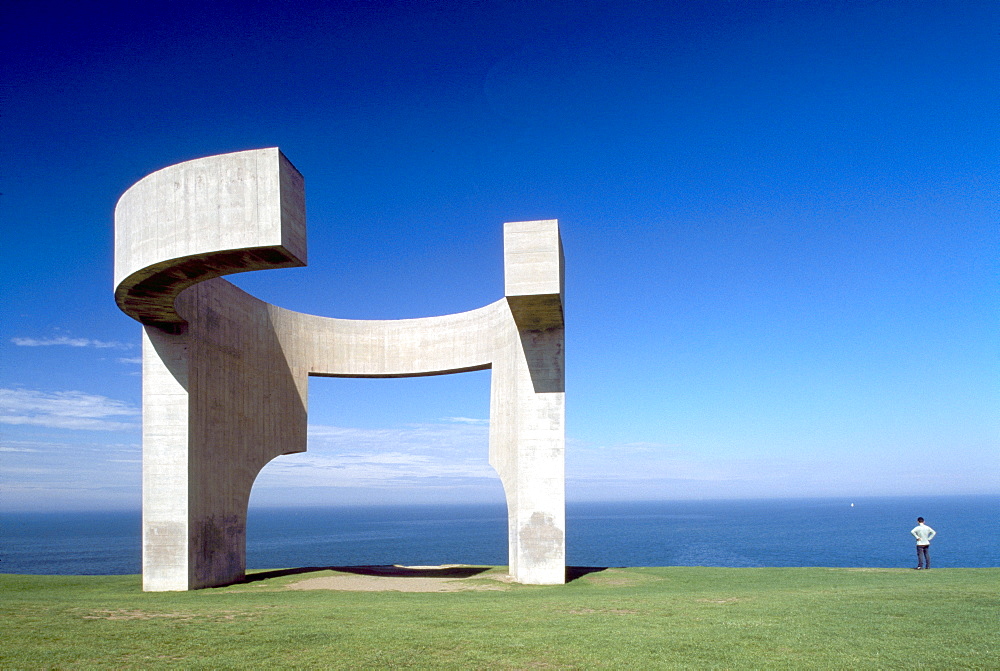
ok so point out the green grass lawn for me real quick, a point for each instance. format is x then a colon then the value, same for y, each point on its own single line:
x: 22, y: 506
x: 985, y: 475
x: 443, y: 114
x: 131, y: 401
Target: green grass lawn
x: 635, y: 618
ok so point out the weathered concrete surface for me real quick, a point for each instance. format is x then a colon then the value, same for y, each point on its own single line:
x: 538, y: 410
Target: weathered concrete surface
x: 225, y: 375
x: 202, y: 219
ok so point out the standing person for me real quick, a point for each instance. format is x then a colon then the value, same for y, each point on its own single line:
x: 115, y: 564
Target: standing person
x: 923, y: 534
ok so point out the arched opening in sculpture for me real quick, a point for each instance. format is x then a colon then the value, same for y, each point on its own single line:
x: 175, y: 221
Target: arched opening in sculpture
x: 225, y: 375
x: 386, y: 450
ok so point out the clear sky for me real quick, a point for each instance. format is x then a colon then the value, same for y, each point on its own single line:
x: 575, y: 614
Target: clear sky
x: 780, y: 222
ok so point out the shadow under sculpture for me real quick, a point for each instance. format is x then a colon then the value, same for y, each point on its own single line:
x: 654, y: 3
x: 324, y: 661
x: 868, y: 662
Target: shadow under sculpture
x: 225, y: 375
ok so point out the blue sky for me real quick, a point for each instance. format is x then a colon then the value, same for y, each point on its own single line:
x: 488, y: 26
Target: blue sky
x: 779, y: 220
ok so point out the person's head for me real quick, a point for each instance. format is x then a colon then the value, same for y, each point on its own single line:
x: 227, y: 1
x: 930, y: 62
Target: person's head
x: 920, y: 520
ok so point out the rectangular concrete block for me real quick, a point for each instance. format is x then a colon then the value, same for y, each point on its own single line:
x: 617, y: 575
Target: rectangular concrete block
x: 533, y: 259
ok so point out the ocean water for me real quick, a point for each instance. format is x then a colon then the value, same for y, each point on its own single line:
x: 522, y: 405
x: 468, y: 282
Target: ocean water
x: 793, y: 532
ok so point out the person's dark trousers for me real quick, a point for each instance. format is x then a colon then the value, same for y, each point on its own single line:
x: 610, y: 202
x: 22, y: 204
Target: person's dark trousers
x: 923, y: 556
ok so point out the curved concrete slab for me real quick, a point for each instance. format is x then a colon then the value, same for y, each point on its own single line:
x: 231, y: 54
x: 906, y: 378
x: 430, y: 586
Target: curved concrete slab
x: 202, y: 219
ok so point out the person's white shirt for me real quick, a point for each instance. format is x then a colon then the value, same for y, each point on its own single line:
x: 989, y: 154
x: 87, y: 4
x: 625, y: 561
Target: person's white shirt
x: 923, y: 534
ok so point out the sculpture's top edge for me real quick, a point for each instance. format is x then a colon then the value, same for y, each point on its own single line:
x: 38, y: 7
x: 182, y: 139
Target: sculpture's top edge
x: 245, y: 210
x: 551, y: 225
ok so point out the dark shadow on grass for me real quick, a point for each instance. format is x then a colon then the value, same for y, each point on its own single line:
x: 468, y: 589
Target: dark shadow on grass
x: 380, y: 570
x: 574, y: 572
x: 392, y: 571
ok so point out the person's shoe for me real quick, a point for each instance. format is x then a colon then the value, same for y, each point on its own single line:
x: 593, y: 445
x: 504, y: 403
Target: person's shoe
x: 918, y: 568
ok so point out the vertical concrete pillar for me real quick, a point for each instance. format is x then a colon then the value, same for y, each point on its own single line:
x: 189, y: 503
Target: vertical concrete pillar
x: 165, y: 523
x: 530, y: 379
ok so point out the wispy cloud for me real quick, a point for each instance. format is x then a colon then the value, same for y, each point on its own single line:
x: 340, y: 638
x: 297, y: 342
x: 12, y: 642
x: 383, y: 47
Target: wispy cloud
x: 66, y: 341
x: 419, y: 438
x: 74, y: 410
x: 79, y: 471
x: 131, y: 359
x: 70, y: 454
x: 386, y: 458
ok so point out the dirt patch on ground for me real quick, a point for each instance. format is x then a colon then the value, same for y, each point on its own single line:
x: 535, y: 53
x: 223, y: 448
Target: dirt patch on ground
x: 364, y: 583
x: 731, y: 599
x: 869, y: 570
x: 602, y: 611
x: 447, y: 578
x: 617, y: 578
x: 145, y: 615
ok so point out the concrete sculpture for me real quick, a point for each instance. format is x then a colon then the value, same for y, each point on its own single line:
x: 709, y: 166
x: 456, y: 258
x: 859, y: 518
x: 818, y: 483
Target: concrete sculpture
x: 225, y: 374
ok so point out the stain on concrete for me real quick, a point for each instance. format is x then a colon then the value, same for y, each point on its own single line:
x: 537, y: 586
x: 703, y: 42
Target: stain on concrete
x: 218, y: 542
x: 541, y: 539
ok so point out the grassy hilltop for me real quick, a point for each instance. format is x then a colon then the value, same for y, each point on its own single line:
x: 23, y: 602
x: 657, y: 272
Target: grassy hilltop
x: 774, y: 618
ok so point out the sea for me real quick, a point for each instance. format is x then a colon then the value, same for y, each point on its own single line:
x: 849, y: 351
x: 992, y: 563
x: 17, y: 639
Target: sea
x: 863, y: 532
